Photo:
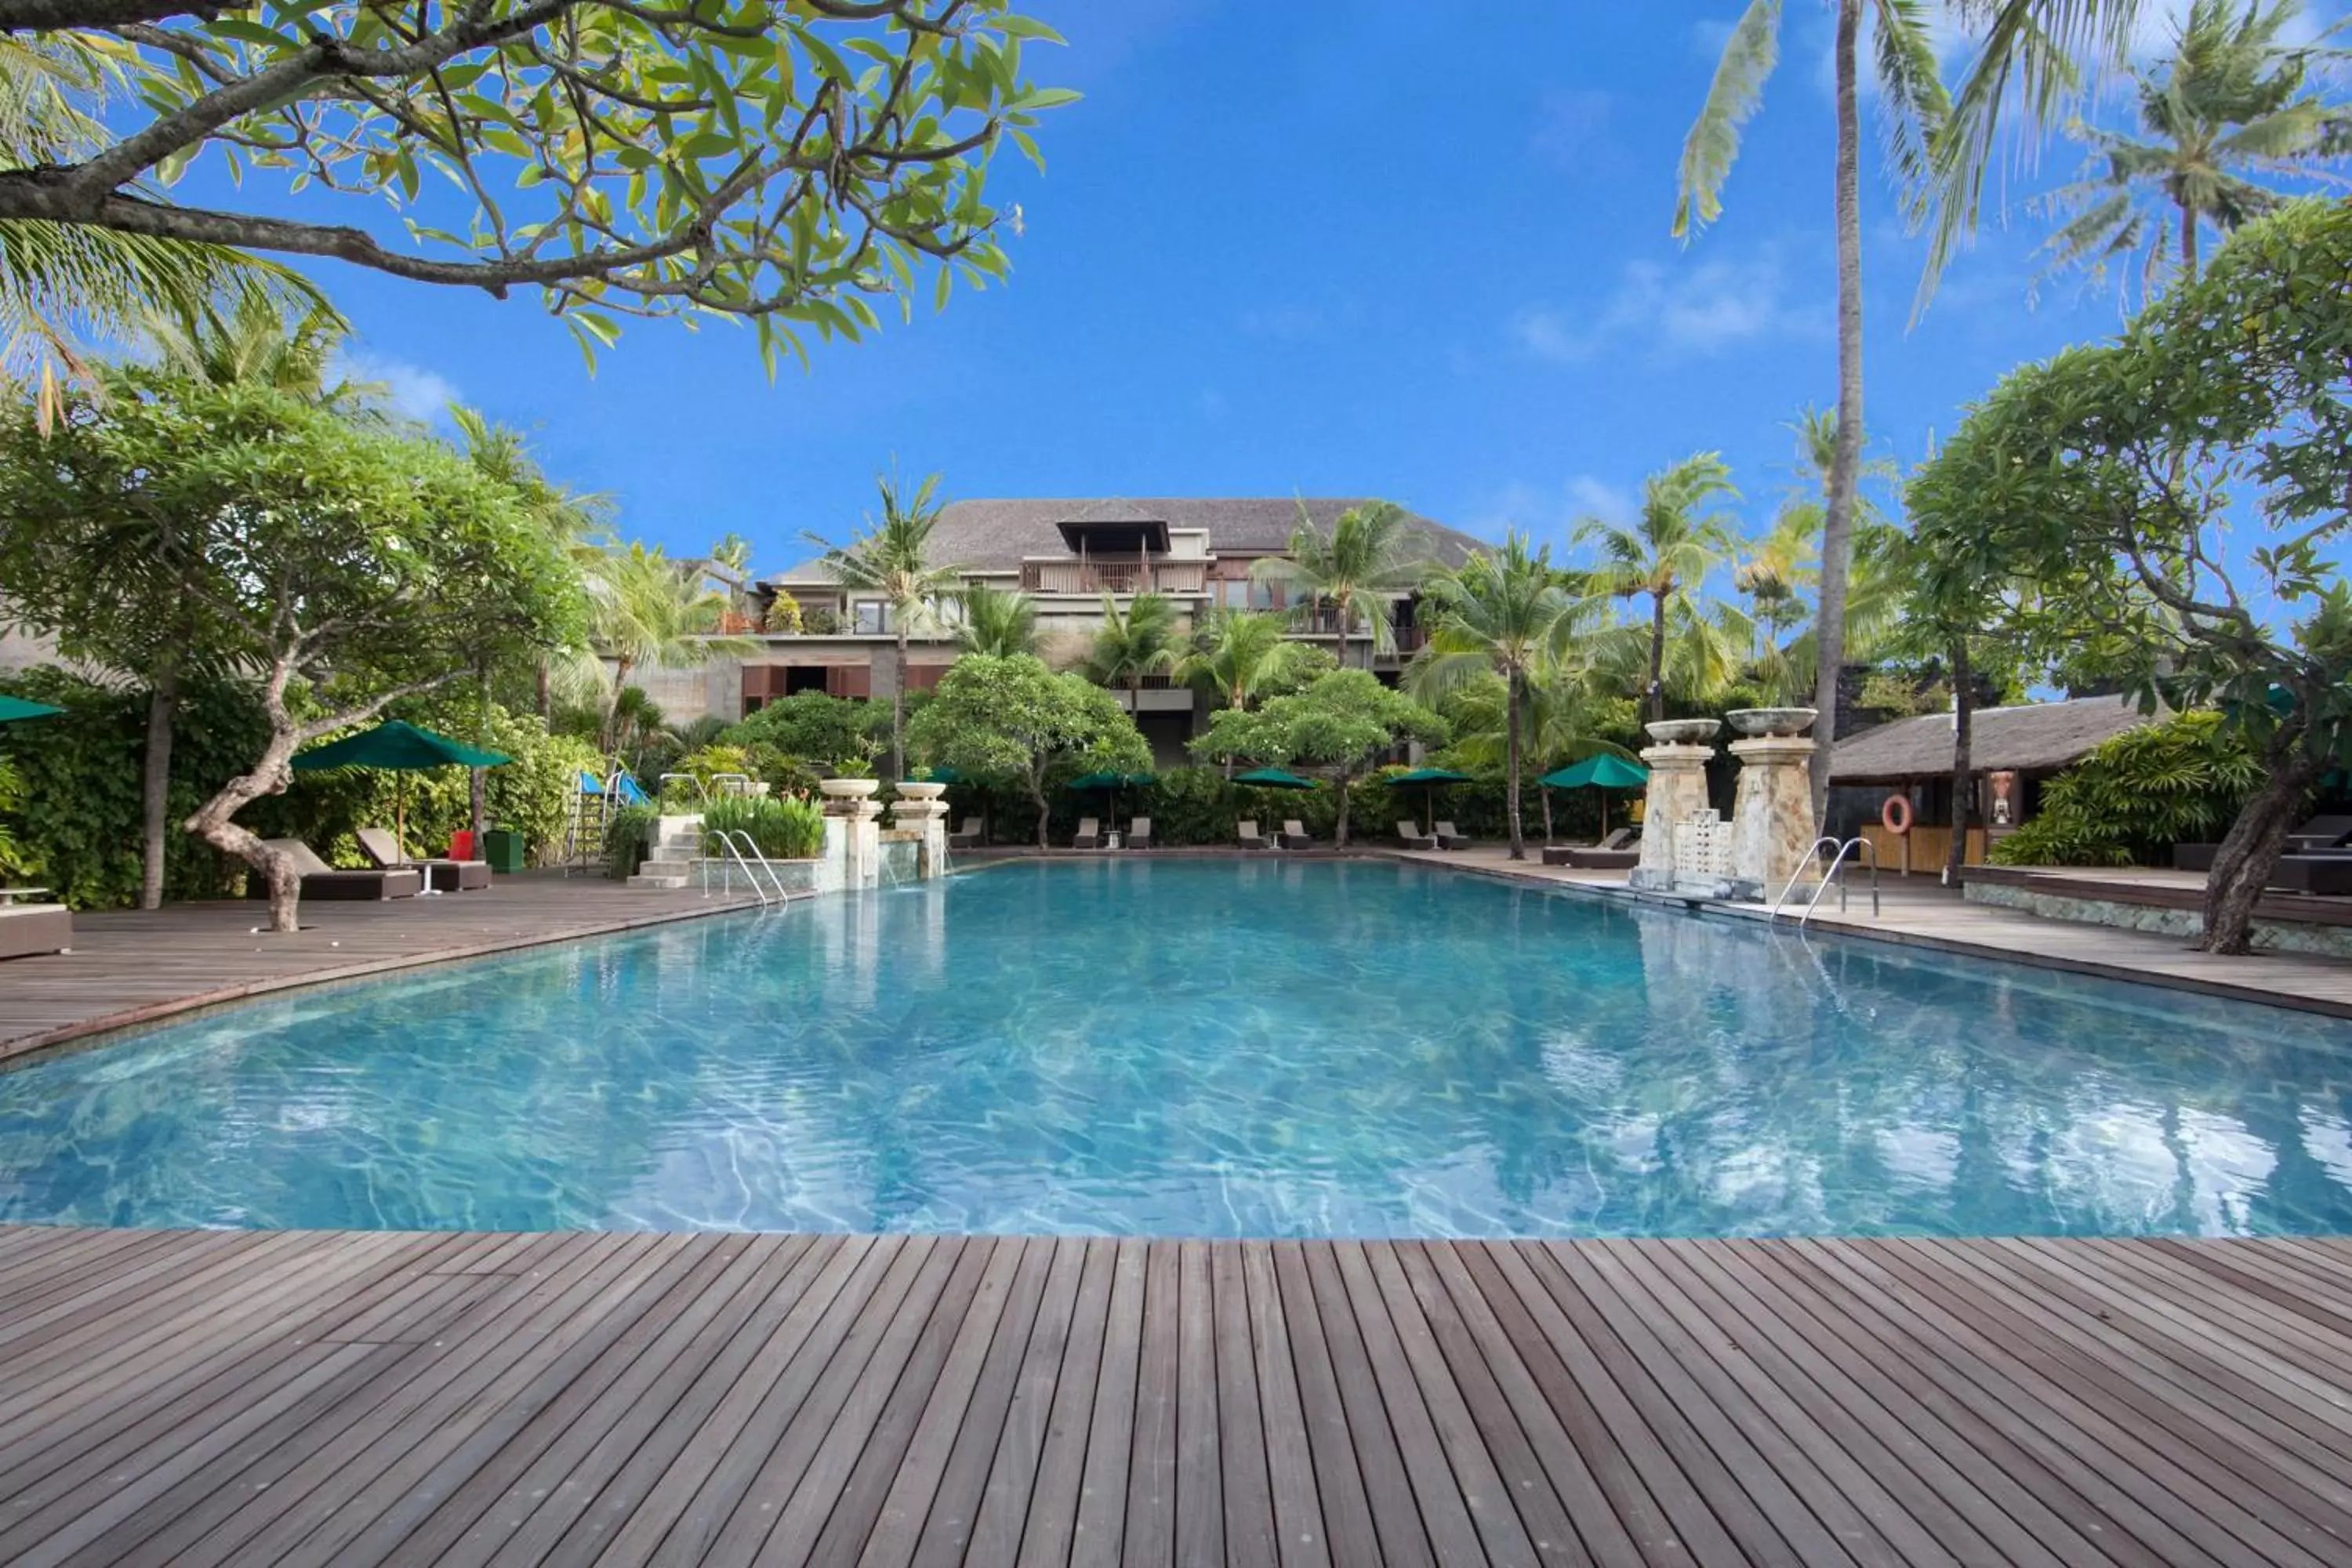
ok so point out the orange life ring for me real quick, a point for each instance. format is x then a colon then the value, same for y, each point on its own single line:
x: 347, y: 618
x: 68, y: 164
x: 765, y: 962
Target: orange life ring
x: 1894, y: 812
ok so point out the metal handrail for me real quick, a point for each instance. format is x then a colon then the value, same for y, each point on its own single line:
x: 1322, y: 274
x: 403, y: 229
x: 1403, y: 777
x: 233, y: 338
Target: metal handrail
x: 727, y: 842
x: 1845, y: 849
x: 694, y: 779
x: 760, y: 856
x: 1798, y: 875
x: 733, y: 782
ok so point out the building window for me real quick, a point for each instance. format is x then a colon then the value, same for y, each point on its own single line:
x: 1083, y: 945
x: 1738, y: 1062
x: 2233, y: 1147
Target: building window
x: 872, y: 618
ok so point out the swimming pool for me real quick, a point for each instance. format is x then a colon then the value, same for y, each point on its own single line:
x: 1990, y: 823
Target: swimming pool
x: 1208, y: 1048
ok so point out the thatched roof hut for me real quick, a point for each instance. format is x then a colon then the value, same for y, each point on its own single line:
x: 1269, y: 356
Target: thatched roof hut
x: 2031, y: 739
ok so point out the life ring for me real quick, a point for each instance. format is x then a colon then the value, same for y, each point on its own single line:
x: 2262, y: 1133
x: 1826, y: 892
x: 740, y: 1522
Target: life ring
x: 1894, y: 812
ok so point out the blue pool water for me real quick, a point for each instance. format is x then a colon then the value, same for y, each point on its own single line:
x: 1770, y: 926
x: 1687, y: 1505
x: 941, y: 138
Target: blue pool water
x: 1212, y: 1048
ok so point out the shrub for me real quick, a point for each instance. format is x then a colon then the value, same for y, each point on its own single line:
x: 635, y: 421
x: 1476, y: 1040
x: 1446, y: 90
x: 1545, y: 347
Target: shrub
x: 783, y: 616
x: 811, y: 724
x: 628, y: 833
x: 709, y: 763
x: 783, y: 829
x: 2136, y: 795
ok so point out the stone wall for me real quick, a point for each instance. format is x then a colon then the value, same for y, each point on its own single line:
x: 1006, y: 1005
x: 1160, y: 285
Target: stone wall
x: 2274, y: 936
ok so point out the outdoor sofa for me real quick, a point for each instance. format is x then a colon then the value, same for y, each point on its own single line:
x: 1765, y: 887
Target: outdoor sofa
x: 2318, y: 835
x: 441, y: 873
x: 320, y: 880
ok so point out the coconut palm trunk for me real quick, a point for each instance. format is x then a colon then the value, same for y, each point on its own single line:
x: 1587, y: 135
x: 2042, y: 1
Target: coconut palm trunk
x: 1837, y: 524
x: 155, y: 780
x: 898, y: 709
x: 1963, y: 764
x: 1654, y: 698
x: 1516, y: 694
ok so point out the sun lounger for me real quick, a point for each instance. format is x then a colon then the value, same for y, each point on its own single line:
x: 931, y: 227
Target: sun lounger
x: 1088, y: 836
x: 969, y: 839
x: 320, y: 880
x: 442, y: 874
x: 2321, y: 833
x: 1451, y: 837
x: 1600, y: 860
x: 1411, y: 836
x: 28, y: 930
x: 1138, y: 833
x: 2324, y: 876
x: 1248, y: 836
x: 1295, y: 836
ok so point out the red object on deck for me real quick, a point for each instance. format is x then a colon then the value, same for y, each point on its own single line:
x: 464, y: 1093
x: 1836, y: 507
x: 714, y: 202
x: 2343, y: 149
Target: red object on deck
x: 461, y: 845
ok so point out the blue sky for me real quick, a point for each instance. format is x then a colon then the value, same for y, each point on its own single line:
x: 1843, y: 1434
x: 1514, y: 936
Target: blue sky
x: 1359, y: 248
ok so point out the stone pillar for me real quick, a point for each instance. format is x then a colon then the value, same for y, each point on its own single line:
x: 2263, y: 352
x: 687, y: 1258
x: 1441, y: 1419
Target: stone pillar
x: 1772, y: 819
x: 1677, y: 789
x: 928, y: 820
x: 863, y: 836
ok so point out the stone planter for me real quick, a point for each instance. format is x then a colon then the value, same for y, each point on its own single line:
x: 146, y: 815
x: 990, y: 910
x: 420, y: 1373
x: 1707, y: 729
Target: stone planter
x: 922, y: 790
x: 1684, y: 732
x: 849, y: 789
x: 1772, y: 720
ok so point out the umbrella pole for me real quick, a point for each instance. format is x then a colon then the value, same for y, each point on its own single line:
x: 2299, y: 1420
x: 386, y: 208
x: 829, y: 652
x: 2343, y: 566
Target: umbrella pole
x: 400, y: 813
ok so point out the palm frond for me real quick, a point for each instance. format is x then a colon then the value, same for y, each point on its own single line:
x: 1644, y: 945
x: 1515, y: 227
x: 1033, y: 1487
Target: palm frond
x: 1732, y: 99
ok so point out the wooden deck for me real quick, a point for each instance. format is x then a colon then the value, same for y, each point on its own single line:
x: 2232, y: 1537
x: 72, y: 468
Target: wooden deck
x: 188, y: 1397
x: 132, y: 966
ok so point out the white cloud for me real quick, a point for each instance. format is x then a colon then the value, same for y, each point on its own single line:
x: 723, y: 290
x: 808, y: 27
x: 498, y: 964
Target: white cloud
x: 410, y: 391
x: 1572, y: 126
x: 1689, y: 309
x: 1598, y: 497
x: 1548, y: 513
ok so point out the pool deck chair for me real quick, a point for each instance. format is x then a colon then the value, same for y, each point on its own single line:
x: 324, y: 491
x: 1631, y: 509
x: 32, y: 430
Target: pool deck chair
x: 1138, y: 833
x: 1088, y: 836
x: 441, y: 873
x: 1410, y: 835
x: 1296, y: 837
x: 320, y: 880
x: 29, y: 929
x: 1248, y: 836
x: 969, y: 839
x: 1612, y: 846
x: 1449, y: 837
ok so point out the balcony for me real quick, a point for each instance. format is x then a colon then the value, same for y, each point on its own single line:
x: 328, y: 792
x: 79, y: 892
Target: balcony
x: 1185, y: 578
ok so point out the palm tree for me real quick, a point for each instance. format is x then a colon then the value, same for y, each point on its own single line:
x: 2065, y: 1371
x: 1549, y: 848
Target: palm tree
x: 997, y: 622
x: 2228, y: 107
x: 1940, y: 145
x: 892, y: 559
x: 1497, y: 613
x: 730, y: 561
x: 1563, y: 717
x: 1676, y: 540
x: 1240, y: 653
x: 67, y: 286
x: 649, y: 612
x: 1142, y: 640
x: 1372, y: 555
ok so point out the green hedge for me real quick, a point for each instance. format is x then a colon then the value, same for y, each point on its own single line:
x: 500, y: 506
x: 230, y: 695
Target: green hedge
x: 783, y: 829
x: 1199, y: 807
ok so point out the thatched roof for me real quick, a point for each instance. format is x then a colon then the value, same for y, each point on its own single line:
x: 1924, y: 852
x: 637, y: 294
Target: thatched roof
x: 2036, y: 737
x: 996, y: 535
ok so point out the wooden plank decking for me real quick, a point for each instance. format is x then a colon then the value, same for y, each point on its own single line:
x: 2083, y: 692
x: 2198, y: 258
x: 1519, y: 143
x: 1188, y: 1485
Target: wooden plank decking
x: 349, y: 1398
x: 132, y: 966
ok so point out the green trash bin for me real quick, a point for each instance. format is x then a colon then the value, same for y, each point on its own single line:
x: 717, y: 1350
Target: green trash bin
x: 502, y: 847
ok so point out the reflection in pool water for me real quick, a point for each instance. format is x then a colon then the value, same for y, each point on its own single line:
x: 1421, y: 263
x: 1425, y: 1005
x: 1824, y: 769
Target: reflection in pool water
x: 1209, y: 1048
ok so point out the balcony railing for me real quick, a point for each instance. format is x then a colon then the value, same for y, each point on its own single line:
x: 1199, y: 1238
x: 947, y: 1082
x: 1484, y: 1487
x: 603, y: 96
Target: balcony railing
x: 1113, y: 577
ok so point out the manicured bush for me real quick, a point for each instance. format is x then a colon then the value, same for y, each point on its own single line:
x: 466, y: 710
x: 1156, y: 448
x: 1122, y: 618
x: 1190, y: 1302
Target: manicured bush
x: 783, y: 829
x: 627, y: 838
x: 813, y: 726
x: 2136, y: 795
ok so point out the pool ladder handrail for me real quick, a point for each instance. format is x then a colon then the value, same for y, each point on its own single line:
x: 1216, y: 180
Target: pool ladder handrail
x: 1837, y: 861
x: 726, y: 838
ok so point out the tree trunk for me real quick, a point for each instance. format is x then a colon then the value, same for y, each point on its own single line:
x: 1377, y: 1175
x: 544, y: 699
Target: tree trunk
x: 1656, y: 698
x: 1513, y: 687
x: 611, y: 737
x: 155, y: 779
x: 1837, y: 521
x: 1963, y: 719
x: 1037, y: 794
x: 546, y: 695
x: 1340, y: 837
x: 898, y: 711
x: 1546, y: 795
x: 2249, y: 852
x: 480, y: 782
x: 2187, y: 244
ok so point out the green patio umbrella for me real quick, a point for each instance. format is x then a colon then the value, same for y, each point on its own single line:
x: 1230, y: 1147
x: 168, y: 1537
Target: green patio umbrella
x: 1602, y: 771
x: 1431, y: 778
x: 397, y: 747
x: 1113, y: 783
x: 15, y: 708
x: 1276, y: 778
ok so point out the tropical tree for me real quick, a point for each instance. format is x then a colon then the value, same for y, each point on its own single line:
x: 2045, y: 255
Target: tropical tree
x: 1677, y: 536
x: 892, y: 560
x: 649, y: 612
x: 1372, y: 555
x: 67, y: 291
x: 996, y: 621
x: 362, y: 563
x: 1132, y: 643
x: 2231, y: 112
x: 730, y: 561
x: 2178, y: 495
x: 1239, y: 654
x: 1012, y: 718
x: 1343, y: 722
x: 1498, y: 612
x: 1939, y: 146
x: 621, y: 160
x: 1568, y: 711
